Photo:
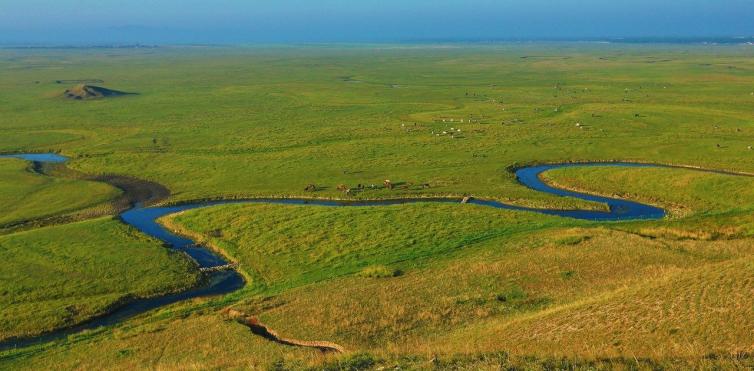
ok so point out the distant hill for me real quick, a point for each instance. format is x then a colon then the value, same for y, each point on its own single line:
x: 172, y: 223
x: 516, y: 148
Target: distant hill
x: 86, y: 92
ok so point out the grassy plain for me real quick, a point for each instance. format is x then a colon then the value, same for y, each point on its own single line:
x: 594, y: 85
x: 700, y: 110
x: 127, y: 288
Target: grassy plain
x: 283, y: 247
x: 559, y: 294
x: 246, y: 122
x: 702, y: 205
x: 683, y: 192
x: 423, y: 285
x: 28, y: 196
x: 61, y: 275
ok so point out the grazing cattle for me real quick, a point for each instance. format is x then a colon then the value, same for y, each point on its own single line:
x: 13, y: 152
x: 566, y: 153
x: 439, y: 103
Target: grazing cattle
x: 388, y: 184
x: 310, y: 188
x: 342, y: 187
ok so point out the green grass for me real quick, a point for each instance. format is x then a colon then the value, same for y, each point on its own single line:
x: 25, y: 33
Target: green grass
x: 288, y: 246
x: 27, y: 196
x: 270, y: 121
x: 684, y: 192
x: 456, y: 307
x: 480, y: 288
x: 702, y: 205
x: 59, y: 276
x: 379, y: 271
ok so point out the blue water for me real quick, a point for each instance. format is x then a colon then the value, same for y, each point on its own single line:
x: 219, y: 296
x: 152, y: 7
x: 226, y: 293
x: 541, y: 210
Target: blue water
x: 619, y: 209
x: 38, y: 157
x: 216, y: 283
x: 145, y: 219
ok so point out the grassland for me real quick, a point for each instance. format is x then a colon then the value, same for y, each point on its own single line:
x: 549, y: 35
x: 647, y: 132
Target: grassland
x: 703, y: 205
x: 517, y: 268
x: 422, y: 285
x: 62, y: 275
x: 683, y: 192
x: 283, y: 247
x: 641, y: 300
x: 28, y: 196
x: 256, y: 122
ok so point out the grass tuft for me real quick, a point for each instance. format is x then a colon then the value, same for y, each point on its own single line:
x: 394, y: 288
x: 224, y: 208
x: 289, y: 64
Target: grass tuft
x: 379, y: 271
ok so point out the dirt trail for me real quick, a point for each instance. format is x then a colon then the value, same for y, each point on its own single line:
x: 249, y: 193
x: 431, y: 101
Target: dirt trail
x: 262, y: 330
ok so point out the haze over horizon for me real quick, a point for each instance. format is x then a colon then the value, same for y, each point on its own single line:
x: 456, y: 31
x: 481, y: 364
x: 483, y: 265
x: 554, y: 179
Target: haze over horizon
x: 235, y: 21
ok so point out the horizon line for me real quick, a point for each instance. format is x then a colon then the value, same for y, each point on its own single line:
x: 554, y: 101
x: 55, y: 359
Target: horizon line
x: 701, y: 40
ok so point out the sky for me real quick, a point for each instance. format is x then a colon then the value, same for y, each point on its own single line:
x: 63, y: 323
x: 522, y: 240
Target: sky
x: 284, y: 21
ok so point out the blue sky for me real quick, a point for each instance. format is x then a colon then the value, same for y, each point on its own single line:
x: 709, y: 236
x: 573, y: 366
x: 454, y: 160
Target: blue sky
x: 249, y: 21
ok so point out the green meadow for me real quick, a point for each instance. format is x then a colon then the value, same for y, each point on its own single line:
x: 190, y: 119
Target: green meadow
x: 414, y: 286
x: 62, y: 275
x: 26, y: 195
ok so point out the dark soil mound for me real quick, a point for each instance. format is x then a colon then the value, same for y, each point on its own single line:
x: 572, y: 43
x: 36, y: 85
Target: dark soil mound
x: 84, y: 92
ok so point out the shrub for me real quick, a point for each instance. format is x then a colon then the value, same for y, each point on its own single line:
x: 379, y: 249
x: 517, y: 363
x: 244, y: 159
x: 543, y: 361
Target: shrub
x: 572, y: 240
x: 379, y: 271
x: 567, y: 274
x: 356, y: 362
x: 515, y: 293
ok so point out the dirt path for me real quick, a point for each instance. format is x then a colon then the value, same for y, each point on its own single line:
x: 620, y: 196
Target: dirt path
x: 262, y: 330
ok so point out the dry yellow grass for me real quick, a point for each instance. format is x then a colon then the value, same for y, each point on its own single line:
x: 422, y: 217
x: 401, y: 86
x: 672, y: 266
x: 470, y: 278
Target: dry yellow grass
x: 531, y: 295
x: 685, y: 313
x: 510, y: 280
x: 191, y: 343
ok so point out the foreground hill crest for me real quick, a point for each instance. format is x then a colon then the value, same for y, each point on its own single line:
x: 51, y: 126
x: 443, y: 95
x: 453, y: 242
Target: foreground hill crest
x: 88, y: 92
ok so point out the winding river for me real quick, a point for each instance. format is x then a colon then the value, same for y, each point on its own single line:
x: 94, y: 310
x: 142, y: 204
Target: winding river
x: 221, y: 282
